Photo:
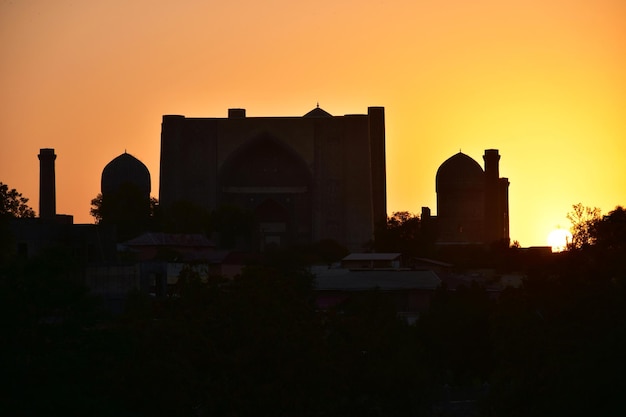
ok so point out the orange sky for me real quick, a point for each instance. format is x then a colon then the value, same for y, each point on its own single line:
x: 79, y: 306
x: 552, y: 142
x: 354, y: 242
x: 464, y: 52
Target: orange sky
x: 543, y: 81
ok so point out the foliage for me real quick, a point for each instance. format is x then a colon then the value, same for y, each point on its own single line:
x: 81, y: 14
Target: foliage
x: 559, y: 342
x: 376, y: 361
x: 610, y: 231
x: 48, y: 345
x: 257, y: 344
x: 457, y: 334
x: 97, y: 210
x: 128, y: 209
x: 404, y: 233
x: 13, y: 203
x: 584, y: 220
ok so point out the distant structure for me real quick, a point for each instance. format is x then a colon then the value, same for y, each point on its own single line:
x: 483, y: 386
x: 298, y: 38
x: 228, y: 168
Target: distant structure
x: 408, y: 289
x: 87, y: 243
x: 305, y: 178
x: 47, y: 184
x: 472, y: 204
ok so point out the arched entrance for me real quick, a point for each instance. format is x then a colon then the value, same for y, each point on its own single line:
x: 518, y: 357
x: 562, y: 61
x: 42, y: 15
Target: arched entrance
x: 269, y: 179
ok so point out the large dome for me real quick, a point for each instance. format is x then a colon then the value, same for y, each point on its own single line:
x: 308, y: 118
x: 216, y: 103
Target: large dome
x: 125, y: 169
x: 459, y: 171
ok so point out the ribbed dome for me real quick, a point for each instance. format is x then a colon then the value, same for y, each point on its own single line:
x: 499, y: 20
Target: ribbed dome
x: 125, y: 169
x: 459, y: 171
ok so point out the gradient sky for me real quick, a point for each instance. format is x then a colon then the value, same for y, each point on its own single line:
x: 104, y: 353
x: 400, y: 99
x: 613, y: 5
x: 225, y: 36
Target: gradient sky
x: 542, y: 81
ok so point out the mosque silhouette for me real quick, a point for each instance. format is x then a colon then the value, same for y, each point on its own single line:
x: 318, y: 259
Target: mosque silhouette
x: 310, y: 178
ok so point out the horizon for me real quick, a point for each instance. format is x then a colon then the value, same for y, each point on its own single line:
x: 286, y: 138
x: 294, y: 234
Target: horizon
x: 543, y: 83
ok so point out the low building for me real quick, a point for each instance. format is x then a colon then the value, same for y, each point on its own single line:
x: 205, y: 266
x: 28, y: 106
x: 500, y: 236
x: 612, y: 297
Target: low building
x: 410, y: 290
x: 372, y: 260
x: 180, y: 247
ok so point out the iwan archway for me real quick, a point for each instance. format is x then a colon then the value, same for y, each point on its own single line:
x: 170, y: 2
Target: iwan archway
x: 268, y: 178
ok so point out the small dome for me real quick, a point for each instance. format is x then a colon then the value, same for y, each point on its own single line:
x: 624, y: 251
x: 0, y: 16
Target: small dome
x: 459, y: 171
x: 125, y: 169
x: 318, y: 112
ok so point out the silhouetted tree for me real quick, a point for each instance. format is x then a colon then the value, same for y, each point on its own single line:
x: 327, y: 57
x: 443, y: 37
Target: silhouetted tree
x: 456, y: 331
x: 49, y: 346
x: 609, y: 249
x: 583, y: 221
x: 559, y: 341
x: 13, y: 203
x: 376, y: 364
x: 128, y: 209
x: 399, y: 234
x: 405, y: 233
x: 610, y: 231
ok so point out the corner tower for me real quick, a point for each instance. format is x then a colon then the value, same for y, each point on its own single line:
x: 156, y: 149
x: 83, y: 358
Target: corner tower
x: 496, y: 199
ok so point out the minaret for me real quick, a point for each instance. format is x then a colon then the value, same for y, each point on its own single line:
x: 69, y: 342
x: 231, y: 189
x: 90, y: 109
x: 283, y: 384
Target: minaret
x: 504, y: 207
x: 376, y: 117
x: 493, y: 214
x: 47, y: 188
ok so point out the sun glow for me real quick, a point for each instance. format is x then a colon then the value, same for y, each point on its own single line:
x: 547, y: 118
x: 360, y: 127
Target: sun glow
x: 558, y: 239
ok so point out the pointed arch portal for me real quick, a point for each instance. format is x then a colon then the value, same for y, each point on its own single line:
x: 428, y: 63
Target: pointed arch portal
x: 271, y: 180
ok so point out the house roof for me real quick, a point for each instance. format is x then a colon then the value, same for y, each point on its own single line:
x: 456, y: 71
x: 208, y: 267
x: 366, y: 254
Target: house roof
x: 427, y: 261
x: 372, y: 257
x: 339, y: 279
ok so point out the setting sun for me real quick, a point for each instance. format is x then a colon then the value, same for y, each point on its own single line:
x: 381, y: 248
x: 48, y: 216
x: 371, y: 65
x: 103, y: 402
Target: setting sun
x: 558, y: 239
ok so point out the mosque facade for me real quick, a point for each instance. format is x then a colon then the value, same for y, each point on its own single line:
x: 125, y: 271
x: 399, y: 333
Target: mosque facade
x: 305, y: 178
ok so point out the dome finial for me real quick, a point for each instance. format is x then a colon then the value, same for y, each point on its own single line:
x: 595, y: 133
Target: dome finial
x: 318, y: 104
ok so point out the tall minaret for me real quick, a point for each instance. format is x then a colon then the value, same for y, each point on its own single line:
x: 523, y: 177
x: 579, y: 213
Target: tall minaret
x: 493, y: 214
x: 47, y: 188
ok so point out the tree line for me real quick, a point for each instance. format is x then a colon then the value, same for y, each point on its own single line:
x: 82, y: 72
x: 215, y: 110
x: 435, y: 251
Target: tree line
x: 258, y: 345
